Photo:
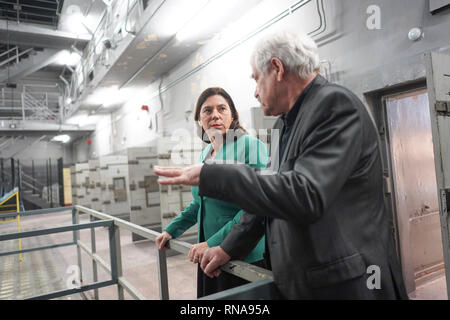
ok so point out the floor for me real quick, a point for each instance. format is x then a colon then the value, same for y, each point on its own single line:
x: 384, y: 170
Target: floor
x: 431, y: 288
x: 50, y: 270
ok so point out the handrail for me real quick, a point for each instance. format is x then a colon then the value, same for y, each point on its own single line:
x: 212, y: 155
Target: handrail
x: 29, y: 177
x: 240, y: 269
x: 15, y: 57
x: 31, y: 186
x: 8, y: 51
x: 258, y: 276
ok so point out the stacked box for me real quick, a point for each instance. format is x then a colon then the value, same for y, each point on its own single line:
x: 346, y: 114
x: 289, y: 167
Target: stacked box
x: 145, y: 207
x: 81, y: 184
x: 67, y: 184
x: 114, y: 186
x: 73, y: 185
x: 175, y: 198
x: 95, y: 193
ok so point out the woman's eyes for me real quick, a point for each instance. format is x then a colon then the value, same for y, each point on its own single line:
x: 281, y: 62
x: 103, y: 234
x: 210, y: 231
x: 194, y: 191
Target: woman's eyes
x: 221, y: 110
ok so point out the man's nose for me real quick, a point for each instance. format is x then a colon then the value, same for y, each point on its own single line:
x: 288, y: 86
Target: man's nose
x: 256, y: 94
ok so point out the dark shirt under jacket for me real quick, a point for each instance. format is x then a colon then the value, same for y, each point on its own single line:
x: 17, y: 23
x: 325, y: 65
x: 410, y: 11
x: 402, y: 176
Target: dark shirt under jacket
x: 289, y: 120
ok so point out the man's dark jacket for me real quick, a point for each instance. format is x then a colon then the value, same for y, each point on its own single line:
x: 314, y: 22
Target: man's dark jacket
x: 324, y: 213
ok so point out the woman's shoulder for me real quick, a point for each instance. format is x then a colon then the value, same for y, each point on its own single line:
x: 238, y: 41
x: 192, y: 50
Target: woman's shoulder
x: 254, y: 142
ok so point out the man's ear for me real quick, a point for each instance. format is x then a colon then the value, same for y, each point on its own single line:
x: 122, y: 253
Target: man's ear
x: 278, y: 66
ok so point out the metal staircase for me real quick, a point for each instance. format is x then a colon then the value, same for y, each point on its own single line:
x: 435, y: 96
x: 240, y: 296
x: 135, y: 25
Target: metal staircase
x: 10, y: 56
x: 36, y: 108
x: 35, y: 193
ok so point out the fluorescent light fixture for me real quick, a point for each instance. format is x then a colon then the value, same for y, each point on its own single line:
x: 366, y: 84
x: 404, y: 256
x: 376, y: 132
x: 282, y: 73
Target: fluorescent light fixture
x: 68, y: 58
x: 183, y: 12
x: 110, y: 96
x: 204, y: 20
x: 64, y: 138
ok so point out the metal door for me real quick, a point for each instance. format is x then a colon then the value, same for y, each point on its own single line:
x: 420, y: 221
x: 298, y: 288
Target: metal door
x: 414, y: 179
x: 438, y: 82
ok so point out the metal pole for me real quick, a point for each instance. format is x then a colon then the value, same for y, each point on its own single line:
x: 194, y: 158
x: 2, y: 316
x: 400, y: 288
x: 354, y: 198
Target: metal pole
x: 2, y: 168
x: 94, y: 263
x: 23, y: 105
x: 76, y: 238
x: 34, y: 178
x: 2, y: 185
x: 13, y: 178
x: 116, y: 258
x: 19, y: 174
x: 48, y: 192
x: 162, y: 275
x: 61, y: 181
x: 51, y: 182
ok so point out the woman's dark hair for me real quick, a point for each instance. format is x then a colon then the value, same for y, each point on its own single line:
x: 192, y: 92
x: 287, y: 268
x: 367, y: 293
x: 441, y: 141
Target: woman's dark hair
x: 221, y: 92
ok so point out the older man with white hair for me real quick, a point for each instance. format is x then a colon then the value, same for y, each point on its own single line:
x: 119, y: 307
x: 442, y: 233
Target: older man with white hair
x: 328, y: 235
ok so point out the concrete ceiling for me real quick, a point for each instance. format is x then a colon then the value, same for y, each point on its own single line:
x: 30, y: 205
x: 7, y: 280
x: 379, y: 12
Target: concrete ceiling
x: 154, y: 50
x: 150, y: 53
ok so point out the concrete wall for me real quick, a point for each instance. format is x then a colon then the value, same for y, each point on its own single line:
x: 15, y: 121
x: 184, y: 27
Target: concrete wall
x: 354, y: 55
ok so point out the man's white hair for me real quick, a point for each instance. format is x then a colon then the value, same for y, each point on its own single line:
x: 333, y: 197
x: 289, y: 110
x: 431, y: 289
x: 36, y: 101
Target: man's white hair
x: 298, y: 53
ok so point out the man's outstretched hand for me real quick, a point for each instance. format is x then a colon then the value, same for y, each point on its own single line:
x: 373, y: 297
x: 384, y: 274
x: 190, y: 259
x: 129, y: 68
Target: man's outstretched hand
x: 212, y: 260
x: 189, y: 176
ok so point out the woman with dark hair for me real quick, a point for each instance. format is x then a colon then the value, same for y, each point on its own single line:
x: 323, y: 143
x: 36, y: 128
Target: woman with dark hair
x: 218, y: 121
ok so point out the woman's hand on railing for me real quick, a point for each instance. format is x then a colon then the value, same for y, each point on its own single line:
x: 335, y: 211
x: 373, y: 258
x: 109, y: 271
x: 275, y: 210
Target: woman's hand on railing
x: 162, y: 239
x: 195, y: 255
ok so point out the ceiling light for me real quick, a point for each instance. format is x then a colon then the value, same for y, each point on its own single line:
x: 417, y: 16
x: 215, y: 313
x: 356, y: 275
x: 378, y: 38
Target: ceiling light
x: 110, y: 96
x: 202, y: 21
x: 67, y: 58
x: 182, y: 13
x: 64, y: 138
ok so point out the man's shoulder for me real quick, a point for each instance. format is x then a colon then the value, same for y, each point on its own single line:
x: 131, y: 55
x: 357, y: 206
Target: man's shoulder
x: 327, y: 93
x: 327, y: 88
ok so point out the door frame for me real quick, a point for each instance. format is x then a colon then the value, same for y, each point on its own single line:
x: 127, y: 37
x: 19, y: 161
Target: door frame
x: 377, y: 106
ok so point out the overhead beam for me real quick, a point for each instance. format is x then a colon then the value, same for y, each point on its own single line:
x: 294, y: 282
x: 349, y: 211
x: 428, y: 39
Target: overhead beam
x: 30, y: 35
x: 30, y: 127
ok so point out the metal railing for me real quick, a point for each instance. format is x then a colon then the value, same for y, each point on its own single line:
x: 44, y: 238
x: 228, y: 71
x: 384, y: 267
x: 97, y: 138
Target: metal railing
x: 38, y: 107
x: 259, y: 277
x: 16, y: 55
